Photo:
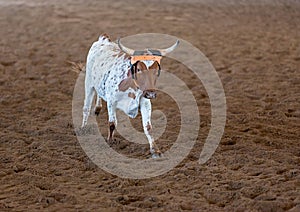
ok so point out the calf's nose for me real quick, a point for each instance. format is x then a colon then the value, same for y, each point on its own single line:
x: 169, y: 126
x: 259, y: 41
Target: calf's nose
x: 150, y: 94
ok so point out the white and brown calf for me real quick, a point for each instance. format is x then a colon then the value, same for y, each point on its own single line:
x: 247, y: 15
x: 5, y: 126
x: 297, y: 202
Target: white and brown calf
x: 121, y: 81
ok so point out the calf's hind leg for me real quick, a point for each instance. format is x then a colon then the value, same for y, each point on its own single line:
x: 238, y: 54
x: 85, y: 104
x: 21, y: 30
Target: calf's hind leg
x: 89, y: 95
x: 98, y: 106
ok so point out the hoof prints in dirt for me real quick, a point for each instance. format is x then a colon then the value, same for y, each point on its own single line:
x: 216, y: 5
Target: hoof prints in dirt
x: 87, y: 130
x: 255, y: 49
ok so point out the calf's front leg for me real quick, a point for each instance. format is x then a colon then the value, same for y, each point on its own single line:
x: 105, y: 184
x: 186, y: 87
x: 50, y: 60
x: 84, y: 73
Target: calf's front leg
x: 112, y: 120
x: 145, y: 106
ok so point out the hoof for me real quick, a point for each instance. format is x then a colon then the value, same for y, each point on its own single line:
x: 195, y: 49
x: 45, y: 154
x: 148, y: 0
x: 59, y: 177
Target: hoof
x: 157, y: 155
x: 113, y: 141
x: 97, y: 111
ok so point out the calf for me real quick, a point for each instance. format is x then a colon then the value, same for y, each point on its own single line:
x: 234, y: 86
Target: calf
x: 125, y: 79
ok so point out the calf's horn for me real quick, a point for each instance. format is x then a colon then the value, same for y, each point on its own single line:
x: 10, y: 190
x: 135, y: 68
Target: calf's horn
x: 168, y: 50
x: 125, y: 49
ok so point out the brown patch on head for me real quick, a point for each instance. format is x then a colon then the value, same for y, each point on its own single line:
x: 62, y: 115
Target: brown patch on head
x: 146, y: 78
x: 131, y: 95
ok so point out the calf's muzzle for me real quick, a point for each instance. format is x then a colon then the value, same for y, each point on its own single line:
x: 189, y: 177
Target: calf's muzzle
x: 149, y: 94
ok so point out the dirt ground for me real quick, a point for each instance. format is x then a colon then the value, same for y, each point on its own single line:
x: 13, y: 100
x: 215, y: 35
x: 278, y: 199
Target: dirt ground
x: 255, y: 50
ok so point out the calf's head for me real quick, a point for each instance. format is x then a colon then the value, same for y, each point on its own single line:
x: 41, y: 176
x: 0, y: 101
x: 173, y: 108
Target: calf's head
x: 146, y: 77
x: 145, y: 67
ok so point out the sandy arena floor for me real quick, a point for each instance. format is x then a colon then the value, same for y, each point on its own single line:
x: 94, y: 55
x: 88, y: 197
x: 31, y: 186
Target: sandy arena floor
x: 255, y: 50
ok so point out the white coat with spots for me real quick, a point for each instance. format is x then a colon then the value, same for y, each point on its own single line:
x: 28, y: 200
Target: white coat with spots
x: 108, y: 76
x: 106, y: 68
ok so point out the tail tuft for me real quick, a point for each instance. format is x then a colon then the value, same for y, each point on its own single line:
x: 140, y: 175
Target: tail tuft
x: 76, y: 66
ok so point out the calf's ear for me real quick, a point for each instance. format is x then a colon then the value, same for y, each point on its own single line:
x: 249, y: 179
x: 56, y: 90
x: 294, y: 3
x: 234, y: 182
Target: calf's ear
x: 154, y: 66
x: 128, y: 83
x: 141, y: 66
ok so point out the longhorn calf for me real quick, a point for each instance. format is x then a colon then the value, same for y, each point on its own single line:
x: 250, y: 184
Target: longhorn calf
x: 125, y: 79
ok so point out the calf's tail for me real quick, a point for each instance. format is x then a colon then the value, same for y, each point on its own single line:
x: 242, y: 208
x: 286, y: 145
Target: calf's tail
x: 77, y: 66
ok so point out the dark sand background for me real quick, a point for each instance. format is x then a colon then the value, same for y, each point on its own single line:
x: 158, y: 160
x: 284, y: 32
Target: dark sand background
x: 255, y: 50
